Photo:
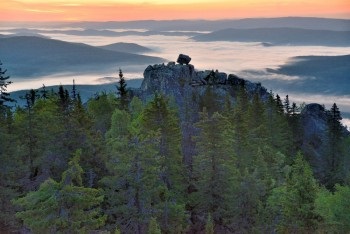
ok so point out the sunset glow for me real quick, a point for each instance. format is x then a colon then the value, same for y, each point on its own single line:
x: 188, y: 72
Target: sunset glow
x: 122, y: 10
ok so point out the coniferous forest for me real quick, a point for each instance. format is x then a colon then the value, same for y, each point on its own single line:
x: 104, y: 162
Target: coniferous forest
x: 116, y: 165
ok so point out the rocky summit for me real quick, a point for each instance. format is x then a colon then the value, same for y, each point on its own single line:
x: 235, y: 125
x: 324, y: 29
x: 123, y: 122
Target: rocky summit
x: 189, y: 89
x: 187, y: 85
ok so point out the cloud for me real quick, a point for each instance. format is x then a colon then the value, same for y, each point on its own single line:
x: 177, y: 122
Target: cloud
x: 44, y: 11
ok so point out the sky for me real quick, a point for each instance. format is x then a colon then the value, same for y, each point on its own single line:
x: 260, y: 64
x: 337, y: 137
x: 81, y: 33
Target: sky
x: 125, y: 10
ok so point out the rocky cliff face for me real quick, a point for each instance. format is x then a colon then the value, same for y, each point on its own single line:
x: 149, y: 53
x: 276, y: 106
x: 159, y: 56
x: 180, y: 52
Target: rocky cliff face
x: 187, y: 85
x: 315, y: 141
x: 188, y: 88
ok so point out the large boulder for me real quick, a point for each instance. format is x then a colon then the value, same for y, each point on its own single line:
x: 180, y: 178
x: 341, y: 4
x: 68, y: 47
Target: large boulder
x: 184, y: 59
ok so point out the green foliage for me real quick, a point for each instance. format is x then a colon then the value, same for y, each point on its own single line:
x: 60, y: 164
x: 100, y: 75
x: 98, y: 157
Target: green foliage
x: 63, y: 206
x: 160, y: 127
x: 122, y: 92
x: 209, y: 225
x: 101, y: 109
x: 128, y: 186
x: 214, y: 167
x: 334, y: 208
x: 153, y: 227
x: 298, y: 201
x: 226, y: 169
x: 336, y: 151
x: 4, y: 95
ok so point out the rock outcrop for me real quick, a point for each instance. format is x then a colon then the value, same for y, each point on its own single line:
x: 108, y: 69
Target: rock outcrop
x: 187, y: 85
x: 190, y: 89
x: 184, y: 59
x: 315, y: 141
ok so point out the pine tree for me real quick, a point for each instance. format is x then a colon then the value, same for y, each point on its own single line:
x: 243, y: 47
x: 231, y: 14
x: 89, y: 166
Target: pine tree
x: 74, y: 90
x: 132, y: 172
x: 334, y: 208
x: 160, y: 125
x: 286, y: 105
x: 12, y: 171
x: 214, y: 168
x: 153, y: 227
x: 279, y: 104
x: 277, y: 125
x: 240, y: 119
x: 298, y: 201
x: 64, y: 206
x: 101, y: 109
x: 122, y: 91
x: 44, y: 92
x: 4, y: 95
x: 335, y: 159
x: 209, y: 225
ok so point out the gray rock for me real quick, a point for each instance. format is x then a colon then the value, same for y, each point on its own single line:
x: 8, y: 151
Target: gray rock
x: 184, y: 59
x: 314, y: 142
x: 235, y: 80
x: 221, y: 77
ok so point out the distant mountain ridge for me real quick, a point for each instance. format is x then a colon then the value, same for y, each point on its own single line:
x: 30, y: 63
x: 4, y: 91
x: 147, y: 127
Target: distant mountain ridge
x: 126, y: 47
x: 213, y: 25
x: 28, y: 56
x: 280, y: 36
x: 101, y: 32
x: 319, y: 74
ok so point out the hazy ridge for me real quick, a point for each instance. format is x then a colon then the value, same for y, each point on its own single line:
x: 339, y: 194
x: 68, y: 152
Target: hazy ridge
x: 280, y: 36
x: 32, y: 56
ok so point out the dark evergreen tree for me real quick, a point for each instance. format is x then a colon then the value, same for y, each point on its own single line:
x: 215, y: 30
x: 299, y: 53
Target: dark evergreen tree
x: 74, y: 91
x: 286, y: 105
x: 279, y: 104
x: 298, y: 199
x: 160, y: 124
x: 101, y: 109
x: 4, y: 95
x: 44, y: 92
x: 132, y: 173
x: 336, y: 154
x: 334, y: 208
x: 214, y: 169
x: 63, y: 207
x: 294, y: 109
x: 122, y: 91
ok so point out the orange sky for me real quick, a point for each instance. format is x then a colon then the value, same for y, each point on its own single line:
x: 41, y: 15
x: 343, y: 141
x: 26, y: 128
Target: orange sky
x: 122, y: 10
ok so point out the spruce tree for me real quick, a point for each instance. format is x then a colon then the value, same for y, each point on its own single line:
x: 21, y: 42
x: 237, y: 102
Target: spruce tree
x: 4, y: 95
x: 279, y: 104
x: 336, y: 154
x: 122, y: 91
x: 334, y: 208
x: 214, y: 168
x: 132, y: 172
x: 74, y: 90
x: 62, y: 207
x: 286, y: 105
x: 209, y: 225
x: 298, y: 201
x: 153, y: 227
x: 160, y: 125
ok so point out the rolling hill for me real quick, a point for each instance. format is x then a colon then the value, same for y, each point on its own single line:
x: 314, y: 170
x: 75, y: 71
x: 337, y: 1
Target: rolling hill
x: 280, y: 36
x: 28, y: 56
x: 318, y: 74
x: 127, y: 48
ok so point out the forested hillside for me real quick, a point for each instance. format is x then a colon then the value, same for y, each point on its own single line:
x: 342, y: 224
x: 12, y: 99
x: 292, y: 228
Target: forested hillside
x: 189, y: 152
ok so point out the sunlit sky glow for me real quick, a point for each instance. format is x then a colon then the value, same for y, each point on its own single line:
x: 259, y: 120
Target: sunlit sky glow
x: 123, y: 10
